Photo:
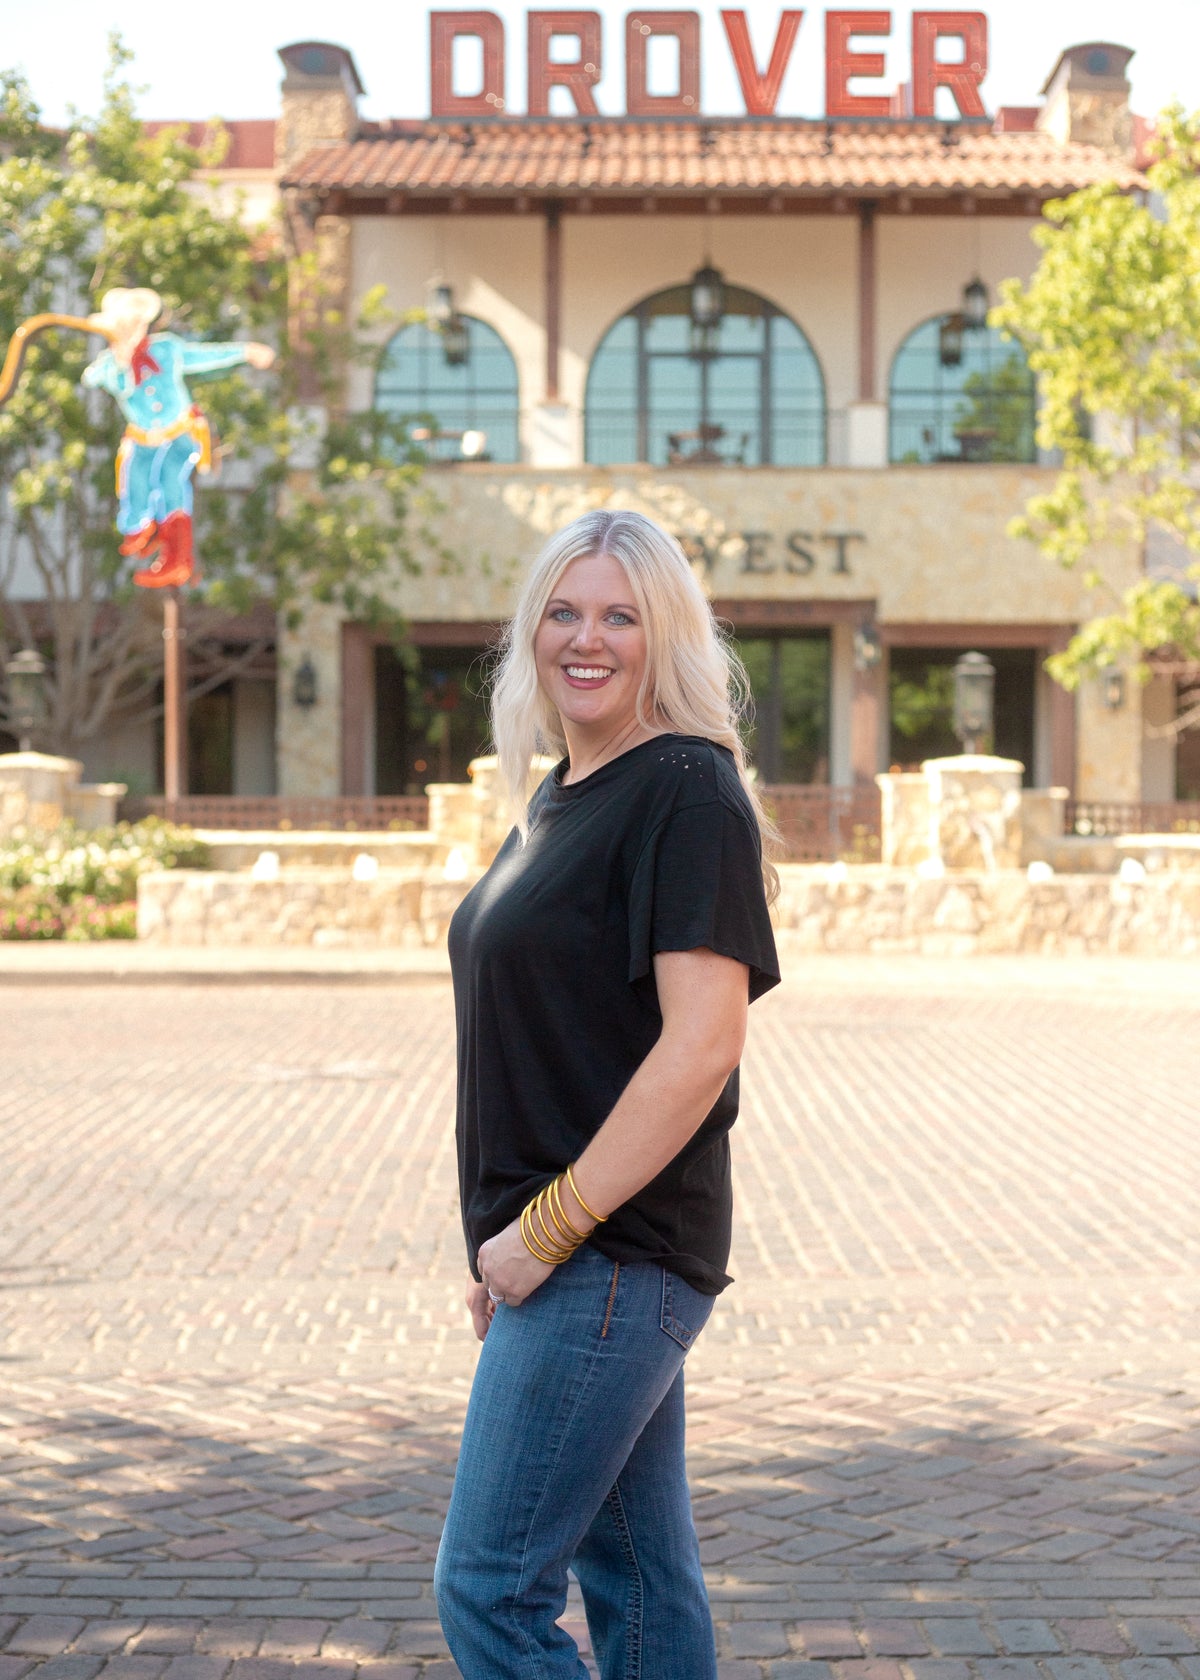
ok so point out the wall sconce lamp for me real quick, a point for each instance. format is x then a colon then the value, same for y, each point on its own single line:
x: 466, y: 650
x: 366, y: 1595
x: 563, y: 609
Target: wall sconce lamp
x: 868, y: 647
x: 304, y: 684
x: 1114, y: 688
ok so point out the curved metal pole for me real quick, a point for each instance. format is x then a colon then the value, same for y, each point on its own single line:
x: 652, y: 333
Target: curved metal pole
x: 19, y: 343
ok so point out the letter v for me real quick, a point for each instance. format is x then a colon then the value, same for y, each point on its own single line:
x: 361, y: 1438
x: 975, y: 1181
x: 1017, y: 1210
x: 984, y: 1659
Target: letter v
x: 760, y: 92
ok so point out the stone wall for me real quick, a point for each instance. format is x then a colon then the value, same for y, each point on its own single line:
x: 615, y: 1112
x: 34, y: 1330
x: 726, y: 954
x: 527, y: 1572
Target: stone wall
x: 307, y: 907
x: 829, y: 908
x: 822, y: 908
x: 40, y: 791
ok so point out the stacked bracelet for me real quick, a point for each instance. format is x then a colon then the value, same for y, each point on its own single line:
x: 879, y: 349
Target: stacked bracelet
x: 546, y: 1230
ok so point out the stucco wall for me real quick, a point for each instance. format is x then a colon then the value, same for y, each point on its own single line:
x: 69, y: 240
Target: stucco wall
x: 806, y: 265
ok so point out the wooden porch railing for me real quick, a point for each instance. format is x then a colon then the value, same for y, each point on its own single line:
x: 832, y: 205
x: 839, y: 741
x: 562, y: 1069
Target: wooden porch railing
x: 819, y: 824
x: 825, y: 824
x: 246, y: 812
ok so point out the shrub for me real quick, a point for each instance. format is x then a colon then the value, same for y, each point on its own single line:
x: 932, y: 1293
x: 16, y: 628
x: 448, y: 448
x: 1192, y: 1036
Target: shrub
x: 86, y: 919
x: 82, y: 884
x: 31, y: 914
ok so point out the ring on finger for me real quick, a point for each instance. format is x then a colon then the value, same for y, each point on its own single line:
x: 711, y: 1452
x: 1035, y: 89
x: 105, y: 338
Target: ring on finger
x: 496, y: 1300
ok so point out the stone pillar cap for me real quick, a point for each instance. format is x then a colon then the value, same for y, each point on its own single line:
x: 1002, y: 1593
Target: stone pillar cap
x: 39, y: 761
x: 980, y: 762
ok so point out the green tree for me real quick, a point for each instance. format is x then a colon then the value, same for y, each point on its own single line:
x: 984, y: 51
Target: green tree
x: 1111, y: 324
x: 107, y: 204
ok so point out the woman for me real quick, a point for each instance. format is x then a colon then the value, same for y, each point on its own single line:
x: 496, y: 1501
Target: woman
x: 602, y: 972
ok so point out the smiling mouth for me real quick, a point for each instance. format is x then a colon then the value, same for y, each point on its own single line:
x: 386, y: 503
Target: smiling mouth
x: 588, y: 673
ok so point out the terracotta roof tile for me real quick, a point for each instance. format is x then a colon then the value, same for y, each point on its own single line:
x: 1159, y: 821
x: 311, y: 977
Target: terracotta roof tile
x: 620, y: 156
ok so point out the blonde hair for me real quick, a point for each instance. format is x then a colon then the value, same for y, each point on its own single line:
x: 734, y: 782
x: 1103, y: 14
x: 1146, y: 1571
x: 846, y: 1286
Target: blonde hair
x: 694, y: 682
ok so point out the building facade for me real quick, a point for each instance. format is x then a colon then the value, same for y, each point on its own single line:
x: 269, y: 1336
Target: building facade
x: 770, y: 334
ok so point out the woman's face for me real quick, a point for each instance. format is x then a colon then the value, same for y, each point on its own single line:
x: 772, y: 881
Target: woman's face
x: 590, y: 648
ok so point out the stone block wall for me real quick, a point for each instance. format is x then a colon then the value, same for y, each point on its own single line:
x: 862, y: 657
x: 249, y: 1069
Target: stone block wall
x: 303, y: 907
x: 40, y: 791
x: 971, y: 914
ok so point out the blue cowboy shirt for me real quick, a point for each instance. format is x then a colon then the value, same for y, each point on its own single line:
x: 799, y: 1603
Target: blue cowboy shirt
x: 155, y: 400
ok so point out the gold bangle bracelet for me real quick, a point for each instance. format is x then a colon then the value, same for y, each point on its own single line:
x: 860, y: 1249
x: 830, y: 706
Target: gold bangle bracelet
x: 546, y: 1238
x: 552, y: 1243
x: 554, y: 1193
x: 598, y: 1217
x: 559, y: 1238
x: 530, y: 1239
x: 565, y: 1233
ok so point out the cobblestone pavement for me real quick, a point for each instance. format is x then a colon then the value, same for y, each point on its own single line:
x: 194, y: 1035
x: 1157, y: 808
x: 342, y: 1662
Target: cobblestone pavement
x: 946, y: 1426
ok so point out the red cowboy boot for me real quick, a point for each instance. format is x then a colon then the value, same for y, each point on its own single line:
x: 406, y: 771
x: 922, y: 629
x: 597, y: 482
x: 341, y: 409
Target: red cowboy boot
x: 143, y: 541
x: 174, y: 565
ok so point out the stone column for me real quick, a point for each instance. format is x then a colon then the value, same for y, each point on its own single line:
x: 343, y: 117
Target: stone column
x: 974, y: 811
x: 954, y: 813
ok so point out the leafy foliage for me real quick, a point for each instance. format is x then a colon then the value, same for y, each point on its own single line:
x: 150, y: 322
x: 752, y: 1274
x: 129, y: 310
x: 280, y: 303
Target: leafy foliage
x: 1111, y: 324
x: 107, y: 204
x: 82, y: 884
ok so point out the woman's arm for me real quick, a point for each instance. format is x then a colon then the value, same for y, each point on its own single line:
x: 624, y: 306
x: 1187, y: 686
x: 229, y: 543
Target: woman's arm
x: 704, y: 999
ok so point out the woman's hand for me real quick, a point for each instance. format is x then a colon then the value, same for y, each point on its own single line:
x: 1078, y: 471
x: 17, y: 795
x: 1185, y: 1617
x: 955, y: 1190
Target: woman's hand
x: 508, y: 1269
x: 481, y: 1308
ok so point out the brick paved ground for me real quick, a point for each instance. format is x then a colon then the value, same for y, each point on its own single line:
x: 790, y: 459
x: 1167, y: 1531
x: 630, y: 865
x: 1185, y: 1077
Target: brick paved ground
x: 945, y: 1427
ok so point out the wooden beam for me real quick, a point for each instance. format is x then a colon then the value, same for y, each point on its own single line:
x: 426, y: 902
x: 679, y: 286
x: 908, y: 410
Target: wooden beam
x: 1063, y: 715
x: 866, y: 301
x: 553, y: 298
x: 866, y: 718
x: 970, y: 634
x: 358, y: 687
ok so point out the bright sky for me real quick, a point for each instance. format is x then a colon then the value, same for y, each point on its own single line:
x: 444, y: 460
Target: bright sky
x: 218, y: 59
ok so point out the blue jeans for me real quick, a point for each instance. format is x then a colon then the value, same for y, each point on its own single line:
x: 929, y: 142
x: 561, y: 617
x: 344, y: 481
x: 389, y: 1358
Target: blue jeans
x: 572, y: 1456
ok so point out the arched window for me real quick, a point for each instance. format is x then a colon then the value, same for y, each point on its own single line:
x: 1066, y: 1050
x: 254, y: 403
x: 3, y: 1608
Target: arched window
x: 960, y: 393
x: 752, y: 395
x: 476, y: 394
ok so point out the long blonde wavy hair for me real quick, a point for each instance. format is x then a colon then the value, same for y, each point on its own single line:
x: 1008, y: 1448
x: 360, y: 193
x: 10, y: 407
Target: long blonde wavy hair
x: 694, y: 682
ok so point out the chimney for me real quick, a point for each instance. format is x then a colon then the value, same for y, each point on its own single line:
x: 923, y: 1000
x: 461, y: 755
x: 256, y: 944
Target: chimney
x: 1087, y: 98
x: 321, y: 89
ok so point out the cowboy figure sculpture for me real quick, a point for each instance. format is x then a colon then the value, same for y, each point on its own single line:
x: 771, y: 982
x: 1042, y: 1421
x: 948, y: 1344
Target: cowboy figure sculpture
x: 166, y: 435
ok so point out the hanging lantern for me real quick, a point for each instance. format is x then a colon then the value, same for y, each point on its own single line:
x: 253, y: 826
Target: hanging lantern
x: 456, y: 345
x: 950, y: 340
x: 708, y: 297
x: 441, y: 306
x: 975, y: 305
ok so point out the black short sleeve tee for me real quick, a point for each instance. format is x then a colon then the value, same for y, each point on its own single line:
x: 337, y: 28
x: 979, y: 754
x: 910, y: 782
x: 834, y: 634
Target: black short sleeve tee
x: 552, y: 956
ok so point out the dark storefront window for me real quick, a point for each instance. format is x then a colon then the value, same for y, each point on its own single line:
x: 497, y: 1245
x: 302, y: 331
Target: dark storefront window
x: 980, y: 407
x: 921, y: 695
x: 754, y: 397
x: 479, y: 394
x: 430, y: 716
x: 210, y: 742
x: 789, y: 678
